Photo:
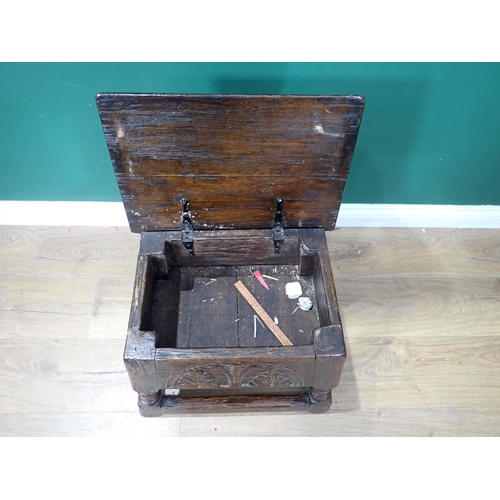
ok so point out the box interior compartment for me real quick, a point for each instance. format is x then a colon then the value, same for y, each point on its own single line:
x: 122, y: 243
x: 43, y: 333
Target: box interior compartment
x: 198, y: 306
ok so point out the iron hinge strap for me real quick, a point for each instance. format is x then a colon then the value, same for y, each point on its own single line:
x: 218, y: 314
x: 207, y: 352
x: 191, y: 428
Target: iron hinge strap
x: 187, y: 227
x: 278, y: 229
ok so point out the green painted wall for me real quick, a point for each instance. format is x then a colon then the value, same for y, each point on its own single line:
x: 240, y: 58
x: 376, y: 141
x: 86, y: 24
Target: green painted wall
x: 429, y: 133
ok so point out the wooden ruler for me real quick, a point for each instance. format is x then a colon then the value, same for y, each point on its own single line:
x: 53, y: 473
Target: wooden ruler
x: 262, y: 314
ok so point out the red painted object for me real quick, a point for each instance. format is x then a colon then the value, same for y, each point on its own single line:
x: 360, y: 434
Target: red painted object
x: 261, y: 279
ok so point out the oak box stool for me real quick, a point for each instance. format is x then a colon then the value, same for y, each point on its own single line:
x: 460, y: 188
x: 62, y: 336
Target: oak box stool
x: 234, y: 305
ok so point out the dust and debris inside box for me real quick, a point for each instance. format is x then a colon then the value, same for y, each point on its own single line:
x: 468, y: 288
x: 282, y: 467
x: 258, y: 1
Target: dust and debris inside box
x: 223, y: 188
x: 211, y: 312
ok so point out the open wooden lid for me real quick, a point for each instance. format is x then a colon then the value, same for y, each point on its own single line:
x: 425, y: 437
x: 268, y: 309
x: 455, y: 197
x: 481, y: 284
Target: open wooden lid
x: 231, y: 156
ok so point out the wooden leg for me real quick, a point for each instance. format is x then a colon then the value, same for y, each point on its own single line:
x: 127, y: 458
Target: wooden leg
x: 150, y: 404
x: 320, y: 400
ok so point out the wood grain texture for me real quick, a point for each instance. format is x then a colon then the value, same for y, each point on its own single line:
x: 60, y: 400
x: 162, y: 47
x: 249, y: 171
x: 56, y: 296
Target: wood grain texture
x: 208, y: 308
x: 398, y: 251
x: 139, y: 358
x: 18, y: 247
x: 329, y: 347
x: 28, y: 304
x: 420, y: 332
x: 232, y: 404
x: 111, y: 307
x: 392, y: 372
x: 430, y: 306
x: 483, y: 249
x: 71, y: 252
x: 81, y: 424
x: 230, y: 156
x: 263, y: 315
x: 165, y: 308
x: 62, y: 375
x: 419, y: 422
x: 232, y: 248
x: 297, y: 324
x: 234, y: 368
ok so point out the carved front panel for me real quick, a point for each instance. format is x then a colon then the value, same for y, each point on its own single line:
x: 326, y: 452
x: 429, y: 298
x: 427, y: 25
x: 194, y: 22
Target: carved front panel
x: 226, y: 375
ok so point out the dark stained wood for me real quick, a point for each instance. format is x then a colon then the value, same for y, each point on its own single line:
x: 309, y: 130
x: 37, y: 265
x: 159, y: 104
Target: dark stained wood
x: 159, y: 265
x: 165, y: 308
x: 297, y: 326
x: 320, y: 400
x: 191, y: 344
x: 311, y: 240
x: 261, y: 314
x: 330, y: 353
x: 235, y: 368
x: 228, y: 404
x: 150, y: 410
x: 153, y: 243
x: 329, y: 339
x: 216, y: 349
x: 325, y: 289
x: 249, y: 390
x: 139, y: 358
x: 231, y: 248
x: 231, y: 156
x: 141, y: 298
x: 314, y: 401
x: 149, y: 399
x: 140, y: 347
x: 208, y: 308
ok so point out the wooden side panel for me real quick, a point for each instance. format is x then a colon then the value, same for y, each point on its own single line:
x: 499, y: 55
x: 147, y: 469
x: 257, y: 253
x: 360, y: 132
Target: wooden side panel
x: 140, y: 347
x: 329, y: 343
x: 139, y: 357
x: 330, y: 357
x: 325, y: 291
x: 231, y: 248
x: 234, y: 368
x: 231, y: 156
x: 142, y: 295
x: 165, y: 308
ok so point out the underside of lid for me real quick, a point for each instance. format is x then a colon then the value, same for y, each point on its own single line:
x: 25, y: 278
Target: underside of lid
x: 231, y: 156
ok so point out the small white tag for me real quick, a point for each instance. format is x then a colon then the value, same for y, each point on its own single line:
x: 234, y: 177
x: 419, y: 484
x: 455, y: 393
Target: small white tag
x: 172, y: 392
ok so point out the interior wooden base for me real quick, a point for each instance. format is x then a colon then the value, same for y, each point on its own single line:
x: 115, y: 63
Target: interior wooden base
x: 197, y: 307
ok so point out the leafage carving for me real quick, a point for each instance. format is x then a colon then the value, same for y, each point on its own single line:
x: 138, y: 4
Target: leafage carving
x: 235, y: 375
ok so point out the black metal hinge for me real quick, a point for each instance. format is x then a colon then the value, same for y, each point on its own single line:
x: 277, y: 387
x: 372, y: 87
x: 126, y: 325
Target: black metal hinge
x: 187, y: 227
x: 278, y: 229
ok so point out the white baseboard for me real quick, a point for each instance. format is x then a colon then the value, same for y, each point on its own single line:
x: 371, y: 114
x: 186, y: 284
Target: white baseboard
x: 425, y: 216
x: 90, y: 213
x: 62, y: 213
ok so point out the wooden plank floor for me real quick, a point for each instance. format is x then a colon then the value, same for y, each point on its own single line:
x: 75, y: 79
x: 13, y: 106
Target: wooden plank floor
x: 421, y: 311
